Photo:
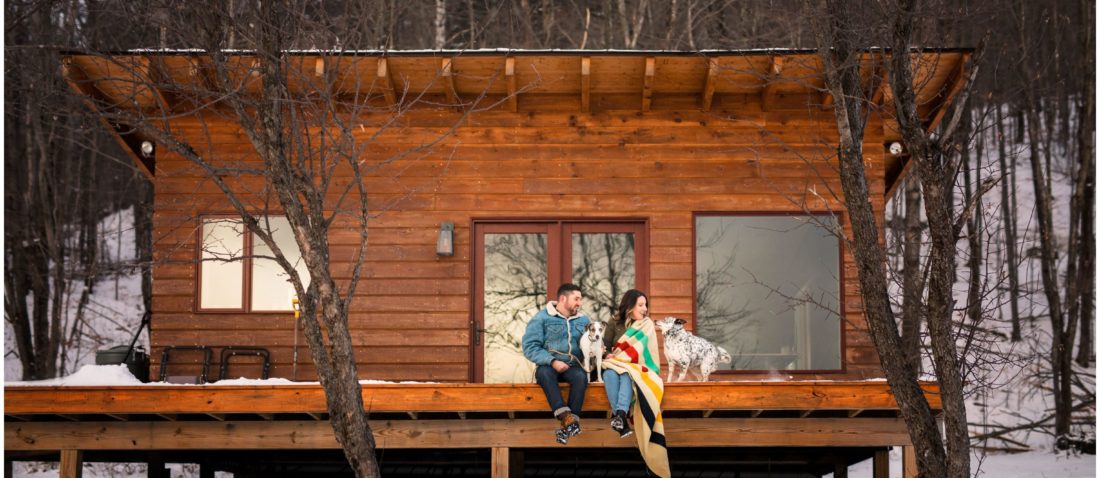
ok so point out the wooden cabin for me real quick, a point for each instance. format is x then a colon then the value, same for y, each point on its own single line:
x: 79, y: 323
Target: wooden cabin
x: 707, y: 179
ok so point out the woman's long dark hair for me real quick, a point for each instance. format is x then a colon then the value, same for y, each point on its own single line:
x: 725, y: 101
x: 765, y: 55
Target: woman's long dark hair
x: 630, y: 299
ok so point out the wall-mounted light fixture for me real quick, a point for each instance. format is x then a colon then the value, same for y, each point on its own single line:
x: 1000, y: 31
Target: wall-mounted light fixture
x: 147, y: 149
x: 896, y: 148
x: 445, y: 244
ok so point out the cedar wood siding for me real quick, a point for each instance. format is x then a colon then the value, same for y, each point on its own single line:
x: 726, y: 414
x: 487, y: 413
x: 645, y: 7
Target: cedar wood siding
x: 410, y: 317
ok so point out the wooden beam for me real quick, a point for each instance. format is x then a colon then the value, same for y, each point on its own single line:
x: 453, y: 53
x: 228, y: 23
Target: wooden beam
x: 473, y: 397
x: 892, y: 188
x: 78, y: 80
x: 72, y: 464
x: 447, y: 73
x: 909, y: 462
x: 586, y: 83
x: 385, y: 82
x: 826, y: 99
x: 473, y: 433
x: 647, y: 86
x: 319, y: 68
x: 955, y: 84
x: 510, y: 75
x: 500, y: 463
x: 767, y: 95
x: 881, y: 463
x: 877, y: 83
x: 152, y: 67
x: 711, y: 82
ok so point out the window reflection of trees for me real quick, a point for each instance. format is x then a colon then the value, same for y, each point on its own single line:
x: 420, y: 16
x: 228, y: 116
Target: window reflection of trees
x: 604, y: 268
x: 720, y: 316
x: 768, y: 318
x: 515, y: 288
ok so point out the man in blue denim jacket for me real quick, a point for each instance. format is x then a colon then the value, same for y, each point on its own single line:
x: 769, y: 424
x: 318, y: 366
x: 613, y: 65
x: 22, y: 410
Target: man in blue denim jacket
x: 552, y: 342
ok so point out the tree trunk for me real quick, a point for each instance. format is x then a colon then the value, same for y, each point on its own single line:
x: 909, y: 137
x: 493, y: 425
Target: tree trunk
x: 936, y: 176
x: 1087, y: 182
x: 1048, y: 268
x: 912, y: 276
x: 440, y: 39
x: 972, y: 178
x: 840, y: 54
x: 1008, y: 216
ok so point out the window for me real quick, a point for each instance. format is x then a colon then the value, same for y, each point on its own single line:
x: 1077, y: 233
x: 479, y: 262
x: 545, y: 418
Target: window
x: 230, y: 278
x: 767, y: 289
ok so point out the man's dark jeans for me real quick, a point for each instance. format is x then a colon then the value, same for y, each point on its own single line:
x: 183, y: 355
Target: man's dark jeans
x: 548, y: 379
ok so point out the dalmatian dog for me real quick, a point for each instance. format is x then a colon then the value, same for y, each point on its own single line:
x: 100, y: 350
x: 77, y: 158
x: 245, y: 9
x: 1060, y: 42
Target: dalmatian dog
x: 592, y: 349
x: 687, y: 351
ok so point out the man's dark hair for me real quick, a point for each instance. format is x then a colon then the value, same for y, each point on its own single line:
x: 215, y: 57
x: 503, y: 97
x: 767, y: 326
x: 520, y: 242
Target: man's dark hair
x: 568, y: 288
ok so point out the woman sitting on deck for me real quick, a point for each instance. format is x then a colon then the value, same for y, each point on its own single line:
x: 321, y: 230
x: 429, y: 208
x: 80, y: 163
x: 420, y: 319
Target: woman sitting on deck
x: 632, y: 370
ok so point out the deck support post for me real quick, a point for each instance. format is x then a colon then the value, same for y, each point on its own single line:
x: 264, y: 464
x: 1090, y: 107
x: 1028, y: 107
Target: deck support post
x: 909, y: 462
x: 72, y: 464
x: 840, y: 470
x: 206, y: 470
x: 881, y: 464
x: 506, y: 463
x: 156, y: 466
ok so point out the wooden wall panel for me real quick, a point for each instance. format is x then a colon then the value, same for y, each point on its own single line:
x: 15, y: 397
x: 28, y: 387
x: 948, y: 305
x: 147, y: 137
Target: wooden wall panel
x: 410, y: 318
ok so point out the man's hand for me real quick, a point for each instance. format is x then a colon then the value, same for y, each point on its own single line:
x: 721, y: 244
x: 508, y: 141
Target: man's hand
x: 559, y: 366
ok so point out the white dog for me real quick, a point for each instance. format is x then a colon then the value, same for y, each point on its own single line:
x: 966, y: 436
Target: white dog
x: 689, y: 352
x: 592, y: 348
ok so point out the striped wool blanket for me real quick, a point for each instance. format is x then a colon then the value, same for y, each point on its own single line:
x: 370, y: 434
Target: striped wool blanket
x: 636, y: 354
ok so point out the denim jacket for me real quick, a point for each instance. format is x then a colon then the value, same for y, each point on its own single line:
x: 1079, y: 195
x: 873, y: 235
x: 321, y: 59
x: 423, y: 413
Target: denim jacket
x: 551, y: 336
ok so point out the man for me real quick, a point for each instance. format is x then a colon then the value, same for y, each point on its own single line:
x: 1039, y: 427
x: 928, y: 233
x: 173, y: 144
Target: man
x: 552, y: 342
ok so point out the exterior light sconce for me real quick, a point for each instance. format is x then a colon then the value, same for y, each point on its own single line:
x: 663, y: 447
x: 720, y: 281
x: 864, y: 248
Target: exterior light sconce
x: 896, y: 148
x: 445, y: 244
x: 147, y: 149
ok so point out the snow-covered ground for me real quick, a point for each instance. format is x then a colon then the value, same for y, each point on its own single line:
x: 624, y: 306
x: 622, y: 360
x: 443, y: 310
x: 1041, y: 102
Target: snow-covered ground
x: 114, y: 309
x: 1033, y: 464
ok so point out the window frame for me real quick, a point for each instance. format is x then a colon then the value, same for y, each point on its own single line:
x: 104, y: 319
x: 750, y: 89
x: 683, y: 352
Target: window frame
x: 841, y: 221
x: 557, y: 228
x: 246, y: 275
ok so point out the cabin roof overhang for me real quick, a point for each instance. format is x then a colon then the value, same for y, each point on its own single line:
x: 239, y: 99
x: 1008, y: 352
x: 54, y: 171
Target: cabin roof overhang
x: 165, y: 83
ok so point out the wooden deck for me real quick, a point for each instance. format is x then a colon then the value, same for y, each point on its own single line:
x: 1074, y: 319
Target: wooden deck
x: 143, y: 421
x: 801, y: 396
x: 442, y: 416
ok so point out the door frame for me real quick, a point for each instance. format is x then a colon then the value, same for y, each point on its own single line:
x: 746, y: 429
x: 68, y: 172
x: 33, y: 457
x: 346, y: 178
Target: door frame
x: 556, y: 228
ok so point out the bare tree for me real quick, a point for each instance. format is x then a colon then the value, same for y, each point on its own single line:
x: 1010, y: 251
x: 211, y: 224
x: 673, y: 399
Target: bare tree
x: 842, y: 56
x: 62, y: 175
x: 315, y: 158
x: 1064, y: 311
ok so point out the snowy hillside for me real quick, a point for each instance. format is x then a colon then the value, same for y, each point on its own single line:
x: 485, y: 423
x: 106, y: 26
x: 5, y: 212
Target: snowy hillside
x: 114, y: 309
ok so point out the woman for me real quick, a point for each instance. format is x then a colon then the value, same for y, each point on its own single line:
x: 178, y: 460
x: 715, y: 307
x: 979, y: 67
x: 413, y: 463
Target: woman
x: 632, y: 372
